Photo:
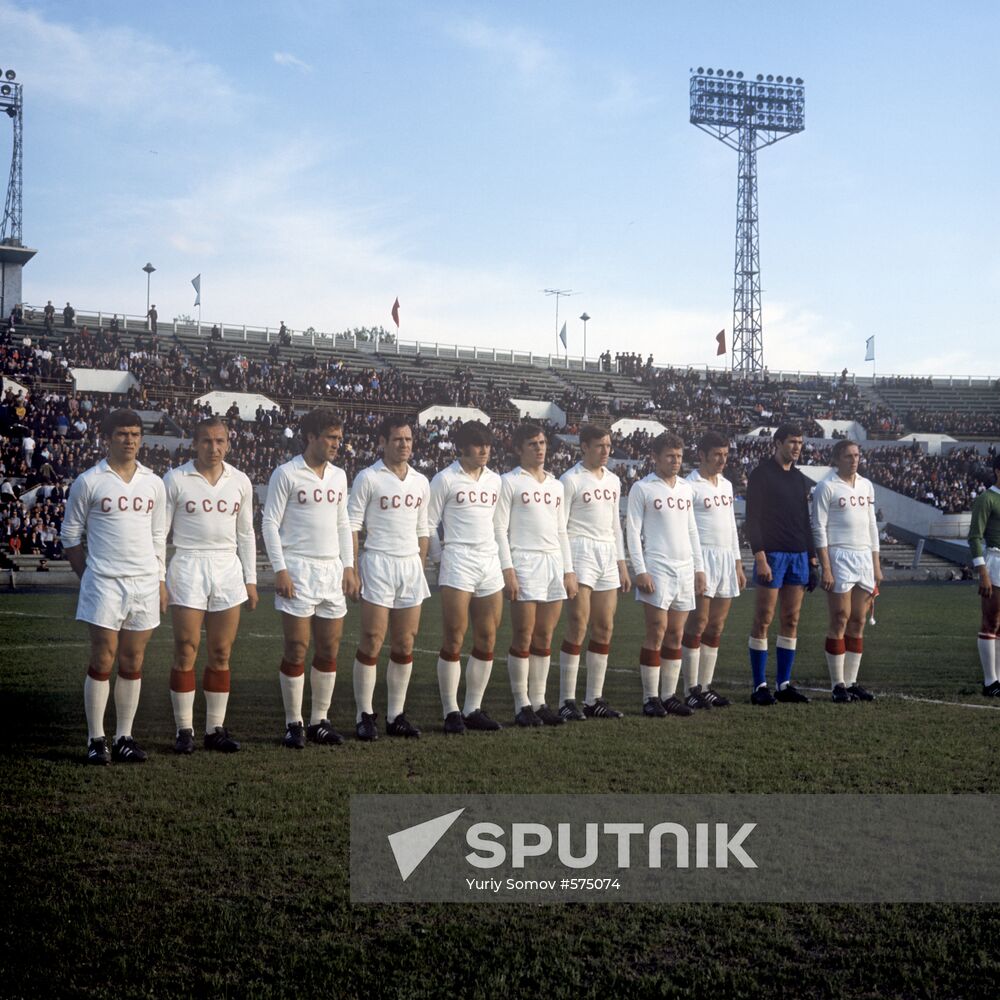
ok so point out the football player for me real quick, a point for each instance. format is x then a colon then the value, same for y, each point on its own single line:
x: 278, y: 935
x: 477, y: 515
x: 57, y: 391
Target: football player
x: 984, y: 544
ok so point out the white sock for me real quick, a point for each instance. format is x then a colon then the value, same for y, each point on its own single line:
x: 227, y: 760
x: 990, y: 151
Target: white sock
x: 569, y: 665
x: 477, y: 676
x: 670, y: 674
x: 126, y: 703
x: 321, y: 684
x: 650, y: 682
x: 988, y: 656
x: 397, y: 679
x: 706, y: 665
x: 835, y: 664
x: 690, y: 662
x: 517, y: 668
x: 538, y: 675
x: 449, y: 672
x: 291, y: 696
x: 95, y: 703
x: 597, y: 667
x: 216, y: 703
x: 364, y: 688
x: 183, y: 704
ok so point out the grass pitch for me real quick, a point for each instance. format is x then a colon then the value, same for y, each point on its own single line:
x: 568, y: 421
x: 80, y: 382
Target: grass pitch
x: 228, y: 875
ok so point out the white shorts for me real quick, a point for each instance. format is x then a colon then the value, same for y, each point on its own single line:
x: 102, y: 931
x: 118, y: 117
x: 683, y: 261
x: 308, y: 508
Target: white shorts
x: 851, y: 568
x: 130, y: 603
x: 674, y: 586
x: 539, y: 576
x: 392, y: 581
x: 595, y: 563
x: 992, y: 559
x: 720, y: 572
x: 474, y: 569
x: 319, y: 588
x: 212, y: 581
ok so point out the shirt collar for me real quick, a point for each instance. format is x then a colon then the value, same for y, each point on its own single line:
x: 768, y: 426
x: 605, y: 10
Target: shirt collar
x: 188, y: 469
x: 140, y: 469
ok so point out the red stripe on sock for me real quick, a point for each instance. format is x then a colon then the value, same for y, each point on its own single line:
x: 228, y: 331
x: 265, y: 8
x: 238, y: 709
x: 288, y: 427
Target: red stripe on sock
x: 835, y: 646
x: 292, y: 669
x: 451, y: 656
x: 324, y: 666
x: 520, y: 654
x: 986, y: 635
x: 482, y: 654
x: 598, y: 647
x: 540, y: 650
x: 401, y: 658
x: 95, y: 676
x: 136, y: 675
x: 714, y: 643
x: 570, y: 647
x: 368, y: 661
x: 216, y: 681
x: 182, y: 681
x: 854, y: 644
x: 670, y: 654
x: 691, y: 641
x: 649, y: 657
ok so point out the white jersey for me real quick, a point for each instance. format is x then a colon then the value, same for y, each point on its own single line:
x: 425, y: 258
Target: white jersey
x: 592, y: 505
x: 844, y: 514
x: 305, y: 515
x: 714, y: 513
x: 531, y: 517
x: 393, y: 510
x: 207, y: 518
x: 125, y: 523
x: 661, y: 524
x: 464, y: 506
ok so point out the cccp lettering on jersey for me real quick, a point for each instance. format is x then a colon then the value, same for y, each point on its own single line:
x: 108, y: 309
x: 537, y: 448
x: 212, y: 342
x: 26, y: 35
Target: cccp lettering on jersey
x: 482, y: 497
x: 208, y: 506
x: 539, y: 496
x: 600, y: 493
x: 671, y: 504
x: 855, y: 501
x: 397, y: 501
x: 318, y: 495
x: 142, y: 505
x: 718, y: 501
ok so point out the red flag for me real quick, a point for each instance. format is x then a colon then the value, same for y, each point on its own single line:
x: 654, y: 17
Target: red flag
x: 395, y: 313
x: 720, y: 339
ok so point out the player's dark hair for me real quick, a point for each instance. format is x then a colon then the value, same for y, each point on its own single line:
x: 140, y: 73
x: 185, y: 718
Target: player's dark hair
x: 203, y: 425
x: 525, y: 432
x: 472, y: 432
x: 316, y: 421
x: 786, y: 431
x: 391, y: 423
x: 666, y: 440
x: 711, y: 440
x: 120, y: 418
x: 593, y: 432
x: 841, y: 446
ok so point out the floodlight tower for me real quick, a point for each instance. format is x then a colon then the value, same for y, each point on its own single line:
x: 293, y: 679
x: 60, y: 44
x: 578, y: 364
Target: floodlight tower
x: 747, y: 116
x: 13, y: 254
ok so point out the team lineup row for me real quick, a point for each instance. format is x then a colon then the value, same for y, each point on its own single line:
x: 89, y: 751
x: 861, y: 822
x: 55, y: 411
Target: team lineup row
x: 539, y: 540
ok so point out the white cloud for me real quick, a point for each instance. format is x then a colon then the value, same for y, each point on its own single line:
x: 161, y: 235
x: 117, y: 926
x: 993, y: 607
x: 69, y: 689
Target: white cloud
x: 510, y: 48
x: 287, y: 59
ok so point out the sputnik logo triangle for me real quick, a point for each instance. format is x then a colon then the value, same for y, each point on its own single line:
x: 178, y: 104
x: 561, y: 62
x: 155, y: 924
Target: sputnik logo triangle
x: 412, y: 845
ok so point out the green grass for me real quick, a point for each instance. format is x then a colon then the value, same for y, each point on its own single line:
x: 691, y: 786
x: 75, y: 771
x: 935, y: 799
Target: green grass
x: 229, y: 874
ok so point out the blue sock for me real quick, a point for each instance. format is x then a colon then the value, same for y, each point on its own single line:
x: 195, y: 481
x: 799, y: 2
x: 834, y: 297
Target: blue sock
x: 758, y: 663
x: 786, y: 657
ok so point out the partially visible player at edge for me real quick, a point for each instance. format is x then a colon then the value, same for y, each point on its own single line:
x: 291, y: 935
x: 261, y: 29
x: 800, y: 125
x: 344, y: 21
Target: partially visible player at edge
x: 530, y: 523
x: 120, y: 506
x: 309, y: 542
x: 463, y: 499
x: 984, y: 543
x: 785, y: 564
x: 593, y: 523
x: 845, y: 533
x: 213, y: 571
x: 666, y: 555
x: 389, y: 500
x: 715, y: 515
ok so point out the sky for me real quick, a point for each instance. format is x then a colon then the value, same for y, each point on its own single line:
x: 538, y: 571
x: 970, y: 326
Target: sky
x: 314, y: 160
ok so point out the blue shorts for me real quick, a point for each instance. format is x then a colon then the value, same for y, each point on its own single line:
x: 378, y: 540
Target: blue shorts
x: 787, y: 568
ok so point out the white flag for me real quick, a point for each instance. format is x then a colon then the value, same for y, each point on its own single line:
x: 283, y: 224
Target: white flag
x: 562, y: 334
x: 196, y: 281
x: 870, y: 348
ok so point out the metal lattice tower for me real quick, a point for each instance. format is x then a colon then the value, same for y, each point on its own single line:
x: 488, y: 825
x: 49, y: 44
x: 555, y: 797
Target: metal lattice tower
x: 11, y: 105
x: 747, y: 116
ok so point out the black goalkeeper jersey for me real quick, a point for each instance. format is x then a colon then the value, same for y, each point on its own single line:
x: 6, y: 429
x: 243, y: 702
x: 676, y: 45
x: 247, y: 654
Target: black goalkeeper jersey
x: 778, y: 509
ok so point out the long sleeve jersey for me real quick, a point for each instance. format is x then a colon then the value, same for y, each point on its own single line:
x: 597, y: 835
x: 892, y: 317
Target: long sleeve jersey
x: 843, y: 514
x: 715, y: 513
x: 592, y: 506
x: 531, y: 516
x: 463, y: 506
x: 392, y: 510
x: 984, y: 529
x: 660, y: 523
x: 778, y: 509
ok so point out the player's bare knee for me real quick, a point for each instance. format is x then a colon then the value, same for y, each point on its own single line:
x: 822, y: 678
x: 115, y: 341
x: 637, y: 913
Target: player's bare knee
x: 295, y: 651
x: 711, y: 634
x: 218, y: 655
x: 370, y: 641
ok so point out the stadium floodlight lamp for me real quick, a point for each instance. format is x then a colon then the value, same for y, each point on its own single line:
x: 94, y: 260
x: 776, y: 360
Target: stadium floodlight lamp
x: 701, y: 69
x: 5, y: 90
x: 11, y: 112
x: 10, y: 74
